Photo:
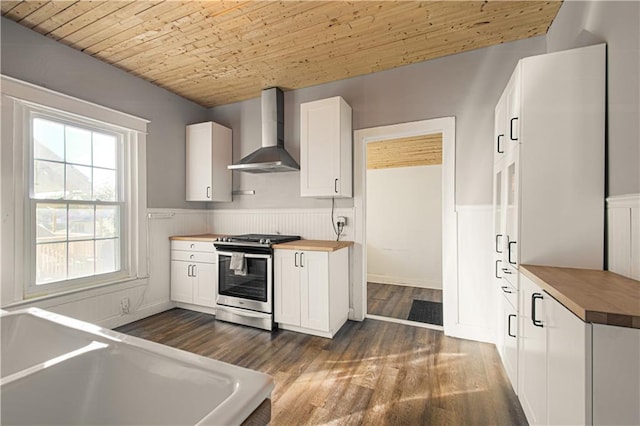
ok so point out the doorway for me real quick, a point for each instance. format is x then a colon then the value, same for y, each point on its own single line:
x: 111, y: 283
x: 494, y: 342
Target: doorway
x: 389, y: 140
x: 404, y: 228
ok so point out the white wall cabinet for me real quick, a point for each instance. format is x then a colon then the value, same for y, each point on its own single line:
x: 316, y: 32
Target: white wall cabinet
x: 208, y: 152
x: 326, y: 149
x: 311, y: 290
x: 194, y: 278
x: 548, y: 184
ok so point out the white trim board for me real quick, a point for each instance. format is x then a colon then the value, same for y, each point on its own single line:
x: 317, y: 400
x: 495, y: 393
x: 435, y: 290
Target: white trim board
x: 446, y: 126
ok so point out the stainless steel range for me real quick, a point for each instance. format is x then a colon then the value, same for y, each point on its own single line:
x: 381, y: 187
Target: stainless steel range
x: 245, y: 278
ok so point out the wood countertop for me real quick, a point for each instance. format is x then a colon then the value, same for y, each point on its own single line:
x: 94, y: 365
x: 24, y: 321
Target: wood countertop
x: 600, y: 297
x: 201, y: 237
x: 314, y: 245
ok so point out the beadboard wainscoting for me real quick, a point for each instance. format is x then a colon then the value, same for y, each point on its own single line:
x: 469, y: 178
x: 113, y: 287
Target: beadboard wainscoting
x: 475, y: 293
x: 623, y: 233
x: 310, y: 224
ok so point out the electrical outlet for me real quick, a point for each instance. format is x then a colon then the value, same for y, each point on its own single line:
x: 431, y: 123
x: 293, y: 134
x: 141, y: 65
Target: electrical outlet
x: 341, y: 221
x: 124, y: 305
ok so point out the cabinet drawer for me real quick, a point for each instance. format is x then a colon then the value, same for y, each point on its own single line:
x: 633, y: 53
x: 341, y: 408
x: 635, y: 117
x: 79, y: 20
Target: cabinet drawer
x: 511, y: 295
x: 193, y: 256
x: 204, y: 246
x: 510, y: 277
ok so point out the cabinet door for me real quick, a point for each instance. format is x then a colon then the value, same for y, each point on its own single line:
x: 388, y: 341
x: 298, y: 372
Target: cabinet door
x: 511, y: 249
x: 508, y: 340
x: 199, y: 164
x: 532, y: 363
x: 500, y: 135
x: 498, y: 224
x: 567, y: 343
x: 287, y: 287
x: 320, y: 148
x: 181, y: 281
x: 205, y: 284
x: 512, y: 123
x: 314, y: 290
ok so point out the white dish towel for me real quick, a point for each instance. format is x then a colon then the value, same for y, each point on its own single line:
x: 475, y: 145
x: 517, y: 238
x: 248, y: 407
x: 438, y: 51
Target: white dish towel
x: 238, y: 264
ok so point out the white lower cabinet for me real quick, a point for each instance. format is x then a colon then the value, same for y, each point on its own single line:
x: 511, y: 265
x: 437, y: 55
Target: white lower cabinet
x: 554, y: 360
x: 311, y: 290
x: 508, y: 338
x: 193, y: 273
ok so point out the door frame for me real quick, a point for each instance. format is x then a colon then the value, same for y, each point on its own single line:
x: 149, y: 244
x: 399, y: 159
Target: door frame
x: 447, y: 127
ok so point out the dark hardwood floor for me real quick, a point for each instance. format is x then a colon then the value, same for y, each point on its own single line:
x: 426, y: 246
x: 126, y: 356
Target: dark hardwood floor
x: 371, y: 373
x: 394, y: 301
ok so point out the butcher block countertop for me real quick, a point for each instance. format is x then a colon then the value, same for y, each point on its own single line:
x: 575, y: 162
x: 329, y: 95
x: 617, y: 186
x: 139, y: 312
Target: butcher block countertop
x: 600, y: 297
x: 314, y: 245
x: 201, y: 237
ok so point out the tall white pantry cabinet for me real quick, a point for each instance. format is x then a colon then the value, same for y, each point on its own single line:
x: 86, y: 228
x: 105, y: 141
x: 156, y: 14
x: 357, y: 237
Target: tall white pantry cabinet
x: 548, y: 179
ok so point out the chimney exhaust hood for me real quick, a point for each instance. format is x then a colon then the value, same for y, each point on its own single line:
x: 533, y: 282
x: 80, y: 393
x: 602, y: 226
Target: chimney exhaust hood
x: 272, y: 157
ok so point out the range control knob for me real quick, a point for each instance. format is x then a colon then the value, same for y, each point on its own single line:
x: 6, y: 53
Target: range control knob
x: 267, y: 241
x: 262, y: 241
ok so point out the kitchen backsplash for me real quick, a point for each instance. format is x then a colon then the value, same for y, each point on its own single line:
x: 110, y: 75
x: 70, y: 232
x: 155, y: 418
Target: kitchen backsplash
x: 308, y: 223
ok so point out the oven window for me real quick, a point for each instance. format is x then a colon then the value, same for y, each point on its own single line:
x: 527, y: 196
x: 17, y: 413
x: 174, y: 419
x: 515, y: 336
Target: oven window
x: 252, y: 286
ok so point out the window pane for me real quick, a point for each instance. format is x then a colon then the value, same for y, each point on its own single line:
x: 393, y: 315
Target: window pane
x: 48, y: 139
x: 104, y: 185
x: 78, y: 182
x: 51, y: 262
x: 81, y: 259
x: 104, y: 150
x: 107, y: 221
x: 107, y: 256
x: 78, y: 145
x: 48, y: 180
x: 51, y: 222
x: 81, y: 222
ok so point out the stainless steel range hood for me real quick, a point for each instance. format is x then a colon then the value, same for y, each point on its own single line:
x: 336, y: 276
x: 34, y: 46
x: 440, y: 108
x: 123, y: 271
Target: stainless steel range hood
x: 272, y: 157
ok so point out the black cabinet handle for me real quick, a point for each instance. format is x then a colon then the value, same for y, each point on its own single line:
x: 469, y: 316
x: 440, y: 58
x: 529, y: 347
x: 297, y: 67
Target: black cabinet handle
x: 506, y: 289
x: 295, y: 261
x: 335, y: 185
x: 509, y: 248
x: 506, y: 271
x: 498, y: 236
x: 535, y: 321
x: 511, y: 129
x: 194, y: 270
x: 301, y: 259
x: 509, y: 325
x: 497, y: 276
x: 499, y: 150
x: 208, y: 192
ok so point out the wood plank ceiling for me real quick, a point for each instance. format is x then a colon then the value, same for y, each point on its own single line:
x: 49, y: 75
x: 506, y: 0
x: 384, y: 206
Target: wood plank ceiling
x: 219, y: 52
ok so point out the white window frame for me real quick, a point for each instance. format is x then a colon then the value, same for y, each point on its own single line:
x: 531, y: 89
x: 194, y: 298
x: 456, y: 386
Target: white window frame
x: 26, y: 99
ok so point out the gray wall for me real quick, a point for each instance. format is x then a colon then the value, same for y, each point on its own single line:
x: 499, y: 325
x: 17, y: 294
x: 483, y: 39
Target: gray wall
x: 466, y: 86
x: 618, y: 24
x: 31, y: 57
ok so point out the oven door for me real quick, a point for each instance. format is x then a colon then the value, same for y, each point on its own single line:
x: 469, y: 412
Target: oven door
x: 251, y: 291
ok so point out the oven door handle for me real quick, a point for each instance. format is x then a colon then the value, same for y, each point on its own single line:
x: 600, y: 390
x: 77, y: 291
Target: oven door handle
x: 247, y: 255
x: 243, y: 312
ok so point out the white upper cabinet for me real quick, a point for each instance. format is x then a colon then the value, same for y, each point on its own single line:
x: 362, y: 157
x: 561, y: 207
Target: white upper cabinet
x: 552, y: 116
x: 208, y: 155
x: 326, y: 149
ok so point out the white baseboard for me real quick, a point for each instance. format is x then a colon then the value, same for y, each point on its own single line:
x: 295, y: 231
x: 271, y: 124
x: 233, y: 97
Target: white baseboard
x: 146, y: 311
x: 403, y: 281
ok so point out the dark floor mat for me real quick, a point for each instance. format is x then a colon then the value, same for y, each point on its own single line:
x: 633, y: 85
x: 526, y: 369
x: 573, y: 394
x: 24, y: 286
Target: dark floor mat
x: 426, y: 312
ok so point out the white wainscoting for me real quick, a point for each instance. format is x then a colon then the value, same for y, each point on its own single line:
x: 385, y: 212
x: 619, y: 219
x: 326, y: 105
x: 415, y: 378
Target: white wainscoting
x: 475, y: 293
x: 147, y: 295
x: 623, y: 230
x: 310, y: 224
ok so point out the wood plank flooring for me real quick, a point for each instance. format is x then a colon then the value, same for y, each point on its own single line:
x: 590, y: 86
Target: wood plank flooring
x: 394, y: 301
x: 371, y: 373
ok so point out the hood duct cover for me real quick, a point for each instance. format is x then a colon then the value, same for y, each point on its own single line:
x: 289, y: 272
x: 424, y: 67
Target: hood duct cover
x: 272, y: 157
